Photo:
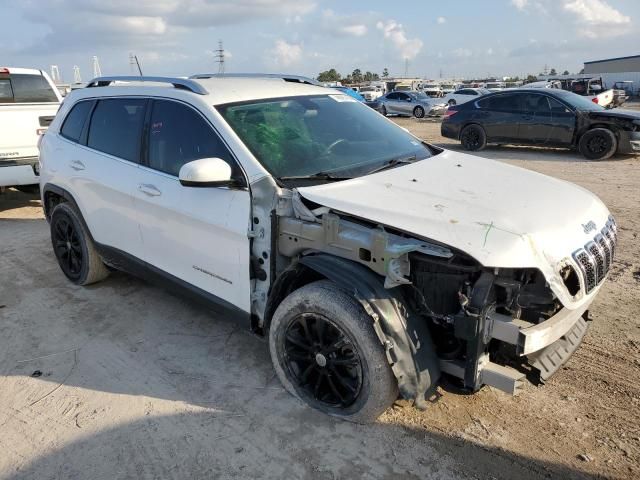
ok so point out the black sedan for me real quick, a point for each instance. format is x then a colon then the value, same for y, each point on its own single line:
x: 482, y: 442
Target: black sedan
x: 543, y: 117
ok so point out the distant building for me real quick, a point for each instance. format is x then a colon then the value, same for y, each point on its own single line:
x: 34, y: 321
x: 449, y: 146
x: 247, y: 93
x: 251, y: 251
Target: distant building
x: 614, y: 70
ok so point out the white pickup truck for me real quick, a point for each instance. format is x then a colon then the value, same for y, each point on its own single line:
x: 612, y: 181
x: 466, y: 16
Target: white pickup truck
x: 28, y: 102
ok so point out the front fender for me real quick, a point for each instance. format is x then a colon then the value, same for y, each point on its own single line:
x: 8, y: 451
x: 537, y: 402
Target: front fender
x: 404, y: 335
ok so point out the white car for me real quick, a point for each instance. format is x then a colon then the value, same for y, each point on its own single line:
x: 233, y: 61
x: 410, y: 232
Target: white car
x: 28, y: 102
x: 371, y: 93
x: 464, y: 95
x: 373, y: 261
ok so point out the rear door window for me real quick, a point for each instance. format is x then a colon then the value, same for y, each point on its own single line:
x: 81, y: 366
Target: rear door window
x: 6, y: 93
x: 536, y: 103
x: 116, y: 127
x: 32, y: 89
x: 74, y: 123
x: 510, y: 102
x: 178, y: 135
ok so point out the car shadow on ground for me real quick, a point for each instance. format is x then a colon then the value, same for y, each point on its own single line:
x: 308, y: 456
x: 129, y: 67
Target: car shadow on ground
x: 302, y: 445
x: 11, y: 199
x: 130, y: 381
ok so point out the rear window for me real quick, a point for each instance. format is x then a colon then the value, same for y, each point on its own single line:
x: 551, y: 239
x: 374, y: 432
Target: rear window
x: 116, y: 127
x: 74, y: 123
x: 24, y: 88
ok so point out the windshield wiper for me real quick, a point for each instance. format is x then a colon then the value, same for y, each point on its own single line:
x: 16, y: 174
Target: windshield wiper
x: 315, y: 176
x: 392, y: 163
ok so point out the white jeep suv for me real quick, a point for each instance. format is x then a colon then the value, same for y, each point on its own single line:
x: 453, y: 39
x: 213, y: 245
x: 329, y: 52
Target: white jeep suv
x: 28, y: 102
x: 375, y: 263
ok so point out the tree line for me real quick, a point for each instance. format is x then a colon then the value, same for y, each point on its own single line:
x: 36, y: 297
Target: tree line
x: 356, y: 76
x: 332, y: 75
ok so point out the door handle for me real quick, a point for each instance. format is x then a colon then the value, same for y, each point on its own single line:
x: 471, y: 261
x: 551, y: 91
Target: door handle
x: 77, y: 165
x: 149, y: 190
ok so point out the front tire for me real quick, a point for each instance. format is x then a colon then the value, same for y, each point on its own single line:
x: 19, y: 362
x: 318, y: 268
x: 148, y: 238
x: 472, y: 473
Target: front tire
x: 598, y: 144
x: 452, y: 102
x: 326, y: 353
x: 418, y: 112
x: 73, y: 247
x: 383, y: 110
x: 473, y: 138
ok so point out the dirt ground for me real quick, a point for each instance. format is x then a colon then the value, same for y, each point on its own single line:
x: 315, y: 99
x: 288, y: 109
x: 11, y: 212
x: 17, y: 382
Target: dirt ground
x: 125, y: 380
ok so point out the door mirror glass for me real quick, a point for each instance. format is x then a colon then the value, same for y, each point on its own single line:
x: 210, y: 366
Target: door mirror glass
x: 206, y: 172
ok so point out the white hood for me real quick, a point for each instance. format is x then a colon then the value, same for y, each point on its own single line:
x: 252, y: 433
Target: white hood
x: 501, y: 215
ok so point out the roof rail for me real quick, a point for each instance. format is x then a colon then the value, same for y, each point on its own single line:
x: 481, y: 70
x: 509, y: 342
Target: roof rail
x: 182, y: 83
x: 282, y: 76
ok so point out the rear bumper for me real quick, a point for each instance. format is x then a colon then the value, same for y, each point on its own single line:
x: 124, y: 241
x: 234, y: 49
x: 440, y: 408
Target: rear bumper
x: 450, y: 130
x: 19, y: 171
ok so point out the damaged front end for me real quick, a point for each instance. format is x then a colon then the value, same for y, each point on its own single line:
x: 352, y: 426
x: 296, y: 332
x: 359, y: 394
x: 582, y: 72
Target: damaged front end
x: 437, y: 309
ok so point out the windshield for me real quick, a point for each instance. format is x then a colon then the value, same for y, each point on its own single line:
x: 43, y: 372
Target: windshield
x: 578, y: 102
x: 302, y: 136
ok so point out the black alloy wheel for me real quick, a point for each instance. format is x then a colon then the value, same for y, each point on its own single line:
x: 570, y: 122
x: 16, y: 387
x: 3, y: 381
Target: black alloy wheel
x: 383, y: 110
x: 418, y: 112
x: 452, y: 102
x: 322, y: 360
x: 473, y: 138
x: 67, y: 247
x: 598, y: 144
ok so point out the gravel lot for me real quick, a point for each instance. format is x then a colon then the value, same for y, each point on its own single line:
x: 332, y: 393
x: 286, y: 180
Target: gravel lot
x: 125, y: 380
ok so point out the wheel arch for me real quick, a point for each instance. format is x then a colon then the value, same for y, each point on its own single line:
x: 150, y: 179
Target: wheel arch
x: 53, y: 195
x: 404, y: 335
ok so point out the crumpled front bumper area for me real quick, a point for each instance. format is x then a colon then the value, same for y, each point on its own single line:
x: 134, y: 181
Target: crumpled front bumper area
x: 544, y: 348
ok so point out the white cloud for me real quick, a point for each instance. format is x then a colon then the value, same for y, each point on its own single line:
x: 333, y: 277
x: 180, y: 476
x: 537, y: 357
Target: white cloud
x: 596, y: 12
x: 441, y: 20
x: 342, y: 25
x: 394, y: 32
x: 520, y: 4
x: 286, y: 53
x: 597, y: 19
x: 462, y: 52
x: 72, y: 24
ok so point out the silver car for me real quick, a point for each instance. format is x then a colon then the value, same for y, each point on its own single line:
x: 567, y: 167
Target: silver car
x: 416, y: 104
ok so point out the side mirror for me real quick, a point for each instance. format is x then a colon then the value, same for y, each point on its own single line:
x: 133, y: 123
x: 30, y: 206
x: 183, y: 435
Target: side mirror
x: 206, y: 172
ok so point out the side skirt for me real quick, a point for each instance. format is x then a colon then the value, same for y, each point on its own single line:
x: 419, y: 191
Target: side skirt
x: 123, y: 261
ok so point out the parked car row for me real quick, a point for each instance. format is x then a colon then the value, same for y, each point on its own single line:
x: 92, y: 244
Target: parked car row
x: 543, y: 117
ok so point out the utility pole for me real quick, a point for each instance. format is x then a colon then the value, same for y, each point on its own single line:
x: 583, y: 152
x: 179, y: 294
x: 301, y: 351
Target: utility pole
x: 219, y: 56
x: 134, y: 65
x: 96, y: 67
x: 55, y: 74
x: 76, y: 74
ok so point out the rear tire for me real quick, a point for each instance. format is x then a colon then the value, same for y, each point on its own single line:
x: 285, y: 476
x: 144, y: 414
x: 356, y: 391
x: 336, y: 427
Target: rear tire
x: 418, y: 112
x: 383, y: 110
x: 598, y: 144
x: 473, y: 138
x: 451, y: 102
x: 73, y: 247
x: 354, y: 381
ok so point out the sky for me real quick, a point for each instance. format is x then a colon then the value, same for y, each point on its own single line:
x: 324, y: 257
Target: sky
x: 432, y: 39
